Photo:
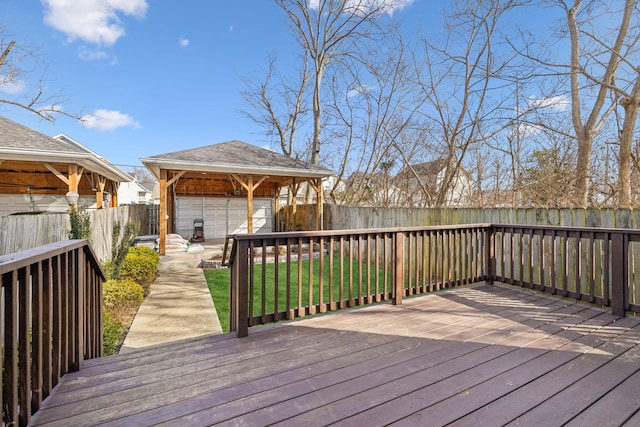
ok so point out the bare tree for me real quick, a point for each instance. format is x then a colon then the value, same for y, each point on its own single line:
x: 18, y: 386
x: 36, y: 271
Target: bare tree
x: 18, y: 63
x: 370, y: 124
x: 328, y: 30
x: 464, y: 83
x: 279, y: 106
x: 592, y: 75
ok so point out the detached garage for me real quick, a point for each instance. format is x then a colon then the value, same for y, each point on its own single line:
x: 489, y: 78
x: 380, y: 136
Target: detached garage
x: 233, y: 186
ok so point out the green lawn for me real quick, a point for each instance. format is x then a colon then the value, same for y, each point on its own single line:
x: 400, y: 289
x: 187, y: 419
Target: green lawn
x: 218, y: 281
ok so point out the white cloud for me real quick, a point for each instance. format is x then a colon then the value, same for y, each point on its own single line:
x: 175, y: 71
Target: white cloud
x: 360, y: 90
x: 93, y: 21
x: 88, y: 55
x: 12, y: 86
x: 387, y: 6
x: 105, y: 120
x: 183, y: 42
x: 559, y: 103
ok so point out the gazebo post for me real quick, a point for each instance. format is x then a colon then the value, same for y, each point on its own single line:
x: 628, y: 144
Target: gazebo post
x: 250, y: 205
x: 163, y: 212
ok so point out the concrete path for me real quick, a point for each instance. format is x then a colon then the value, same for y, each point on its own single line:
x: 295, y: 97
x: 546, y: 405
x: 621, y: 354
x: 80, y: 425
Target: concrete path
x: 178, y: 306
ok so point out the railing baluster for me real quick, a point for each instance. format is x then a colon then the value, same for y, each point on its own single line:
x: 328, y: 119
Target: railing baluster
x: 276, y: 277
x: 321, y: 296
x: 36, y: 335
x: 24, y: 330
x: 10, y: 359
x: 332, y: 302
x: 360, y: 276
x: 299, y: 263
x: 311, y: 309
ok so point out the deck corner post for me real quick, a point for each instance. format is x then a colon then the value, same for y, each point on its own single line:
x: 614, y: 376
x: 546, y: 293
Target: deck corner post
x: 239, y: 300
x: 398, y: 262
x: 619, y: 272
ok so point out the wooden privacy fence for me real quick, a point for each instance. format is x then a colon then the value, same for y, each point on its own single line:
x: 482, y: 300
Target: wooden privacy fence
x: 51, y: 321
x: 22, y: 232
x: 278, y: 276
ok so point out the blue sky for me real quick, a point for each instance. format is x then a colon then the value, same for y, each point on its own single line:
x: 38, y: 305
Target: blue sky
x: 151, y: 77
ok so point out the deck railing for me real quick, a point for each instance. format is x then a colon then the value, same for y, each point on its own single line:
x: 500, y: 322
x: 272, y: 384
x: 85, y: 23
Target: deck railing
x: 278, y: 276
x: 51, y: 321
x: 596, y: 265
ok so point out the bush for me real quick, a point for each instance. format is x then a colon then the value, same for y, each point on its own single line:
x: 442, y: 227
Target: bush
x: 140, y: 266
x: 121, y: 240
x: 112, y: 335
x: 80, y: 225
x: 147, y: 251
x: 121, y: 299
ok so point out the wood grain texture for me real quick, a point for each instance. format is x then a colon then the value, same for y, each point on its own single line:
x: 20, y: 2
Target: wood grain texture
x: 478, y: 355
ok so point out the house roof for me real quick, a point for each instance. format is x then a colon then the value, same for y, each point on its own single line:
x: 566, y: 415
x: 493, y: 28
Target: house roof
x: 234, y: 157
x: 427, y: 169
x: 20, y: 143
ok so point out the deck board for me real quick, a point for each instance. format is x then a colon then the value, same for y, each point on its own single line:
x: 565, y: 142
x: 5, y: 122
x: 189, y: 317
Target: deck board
x: 480, y: 355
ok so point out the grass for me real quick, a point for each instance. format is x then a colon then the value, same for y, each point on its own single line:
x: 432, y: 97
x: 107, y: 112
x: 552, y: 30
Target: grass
x: 218, y: 282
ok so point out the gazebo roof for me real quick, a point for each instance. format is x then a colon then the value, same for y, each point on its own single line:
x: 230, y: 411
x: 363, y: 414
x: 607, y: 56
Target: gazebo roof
x: 234, y: 157
x: 19, y: 143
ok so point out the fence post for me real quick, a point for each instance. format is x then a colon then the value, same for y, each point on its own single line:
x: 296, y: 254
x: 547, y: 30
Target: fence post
x: 398, y: 263
x: 239, y: 298
x: 619, y: 272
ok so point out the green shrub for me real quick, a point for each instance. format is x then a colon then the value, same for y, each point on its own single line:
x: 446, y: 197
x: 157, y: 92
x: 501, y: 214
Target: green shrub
x: 80, y: 225
x: 121, y: 299
x: 112, y: 335
x: 146, y: 251
x: 121, y: 240
x: 140, y: 266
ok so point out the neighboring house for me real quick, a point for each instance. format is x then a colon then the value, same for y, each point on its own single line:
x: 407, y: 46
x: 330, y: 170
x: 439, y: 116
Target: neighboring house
x: 137, y: 193
x: 39, y: 172
x: 421, y: 183
x: 371, y: 189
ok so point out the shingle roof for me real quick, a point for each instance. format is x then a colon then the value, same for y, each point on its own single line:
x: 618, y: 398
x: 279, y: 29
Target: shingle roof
x: 20, y: 143
x: 15, y: 135
x: 227, y: 156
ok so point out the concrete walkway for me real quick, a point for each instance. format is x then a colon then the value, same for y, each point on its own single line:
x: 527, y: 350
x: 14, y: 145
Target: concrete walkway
x: 179, y: 304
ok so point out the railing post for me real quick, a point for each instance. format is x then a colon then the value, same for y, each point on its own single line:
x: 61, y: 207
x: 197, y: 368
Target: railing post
x: 490, y: 258
x: 619, y: 269
x: 239, y: 300
x: 398, y: 263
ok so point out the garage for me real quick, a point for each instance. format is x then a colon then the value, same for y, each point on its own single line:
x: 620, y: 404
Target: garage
x: 233, y: 186
x: 222, y: 216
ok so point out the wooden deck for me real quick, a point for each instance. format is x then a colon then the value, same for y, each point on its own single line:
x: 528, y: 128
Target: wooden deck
x: 482, y: 355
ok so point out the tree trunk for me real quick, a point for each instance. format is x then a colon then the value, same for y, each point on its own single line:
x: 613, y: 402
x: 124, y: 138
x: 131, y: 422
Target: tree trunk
x: 631, y: 105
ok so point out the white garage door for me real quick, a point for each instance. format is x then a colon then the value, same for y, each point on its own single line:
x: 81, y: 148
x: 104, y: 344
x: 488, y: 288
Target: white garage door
x: 222, y: 216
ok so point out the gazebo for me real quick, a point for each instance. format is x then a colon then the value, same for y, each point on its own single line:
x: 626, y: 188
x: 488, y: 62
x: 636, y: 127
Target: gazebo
x: 229, y: 170
x: 36, y: 165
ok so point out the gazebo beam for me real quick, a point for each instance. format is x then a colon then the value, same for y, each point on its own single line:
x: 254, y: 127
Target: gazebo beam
x: 250, y: 187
